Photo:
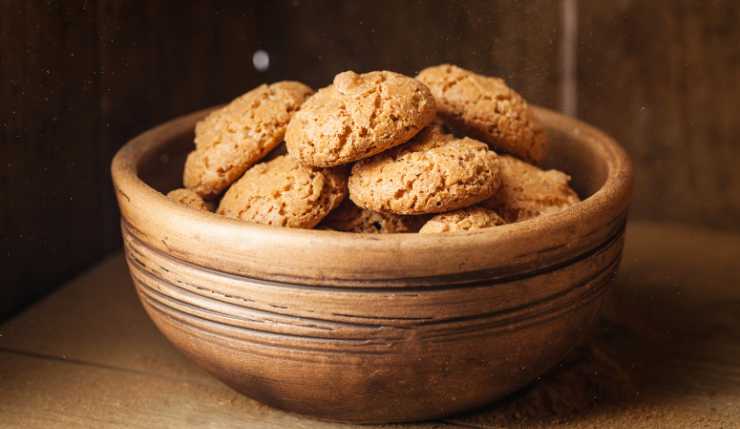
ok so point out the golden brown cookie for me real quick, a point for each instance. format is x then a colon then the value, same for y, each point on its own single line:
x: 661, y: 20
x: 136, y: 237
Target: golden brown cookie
x: 235, y: 137
x: 485, y: 108
x: 350, y: 218
x: 468, y: 219
x: 283, y: 192
x: 527, y: 191
x: 190, y: 199
x: 358, y: 116
x: 433, y: 173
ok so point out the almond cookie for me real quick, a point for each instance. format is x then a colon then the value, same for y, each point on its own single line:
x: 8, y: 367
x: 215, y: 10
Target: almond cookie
x: 468, y: 219
x: 190, y: 199
x: 527, y: 191
x: 235, y: 137
x: 485, y: 108
x: 358, y: 116
x: 350, y: 218
x: 433, y: 173
x: 283, y: 192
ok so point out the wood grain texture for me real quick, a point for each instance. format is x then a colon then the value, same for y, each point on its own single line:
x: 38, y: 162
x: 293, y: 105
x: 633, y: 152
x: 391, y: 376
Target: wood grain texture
x: 89, y: 356
x: 661, y: 77
x: 50, y: 196
x: 79, y: 79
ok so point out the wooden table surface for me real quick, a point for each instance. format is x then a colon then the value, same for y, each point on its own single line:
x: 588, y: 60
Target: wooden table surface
x: 87, y: 356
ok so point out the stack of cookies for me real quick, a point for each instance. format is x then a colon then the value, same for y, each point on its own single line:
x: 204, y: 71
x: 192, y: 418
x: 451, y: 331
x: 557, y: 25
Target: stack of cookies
x: 380, y: 152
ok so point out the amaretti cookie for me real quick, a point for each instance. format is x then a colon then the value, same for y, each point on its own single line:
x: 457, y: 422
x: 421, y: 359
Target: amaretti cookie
x: 433, y: 173
x: 232, y: 139
x: 190, y: 199
x: 487, y: 109
x: 283, y: 192
x: 467, y: 219
x: 358, y: 116
x: 350, y: 218
x: 527, y: 191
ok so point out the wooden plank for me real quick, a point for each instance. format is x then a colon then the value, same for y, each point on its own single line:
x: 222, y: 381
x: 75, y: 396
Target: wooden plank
x: 43, y: 393
x: 661, y: 76
x: 314, y: 40
x: 98, y: 320
x: 49, y: 180
x: 667, y: 356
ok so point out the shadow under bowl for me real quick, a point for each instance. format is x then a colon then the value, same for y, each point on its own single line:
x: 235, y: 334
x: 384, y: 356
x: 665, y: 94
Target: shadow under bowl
x: 373, y: 328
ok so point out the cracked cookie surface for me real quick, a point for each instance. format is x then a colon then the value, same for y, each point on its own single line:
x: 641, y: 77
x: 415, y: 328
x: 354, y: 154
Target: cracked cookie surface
x: 350, y: 218
x: 487, y: 109
x: 190, y: 199
x: 358, y: 116
x: 467, y: 219
x: 527, y: 191
x: 232, y: 139
x: 283, y: 192
x: 433, y: 173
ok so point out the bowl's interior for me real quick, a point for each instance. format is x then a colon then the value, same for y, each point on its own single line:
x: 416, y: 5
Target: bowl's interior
x: 152, y: 163
x: 162, y: 169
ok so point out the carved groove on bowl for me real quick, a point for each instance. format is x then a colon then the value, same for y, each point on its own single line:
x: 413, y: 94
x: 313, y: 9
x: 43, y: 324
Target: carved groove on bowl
x: 270, y: 317
x: 550, y: 259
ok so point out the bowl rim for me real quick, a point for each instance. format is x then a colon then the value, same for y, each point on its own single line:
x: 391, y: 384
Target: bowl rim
x: 228, y: 245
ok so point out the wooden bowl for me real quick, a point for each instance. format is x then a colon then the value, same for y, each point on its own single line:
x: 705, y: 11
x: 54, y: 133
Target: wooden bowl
x: 373, y: 328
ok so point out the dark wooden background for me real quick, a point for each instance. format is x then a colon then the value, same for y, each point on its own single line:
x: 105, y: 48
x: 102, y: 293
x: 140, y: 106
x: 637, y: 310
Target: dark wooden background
x: 79, y: 78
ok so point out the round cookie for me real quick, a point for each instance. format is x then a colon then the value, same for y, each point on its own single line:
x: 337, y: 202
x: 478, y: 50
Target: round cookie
x: 232, y: 139
x: 468, y: 219
x: 433, y: 173
x: 527, y: 191
x: 358, y: 116
x: 283, y: 192
x: 350, y: 218
x: 487, y: 109
x: 190, y: 199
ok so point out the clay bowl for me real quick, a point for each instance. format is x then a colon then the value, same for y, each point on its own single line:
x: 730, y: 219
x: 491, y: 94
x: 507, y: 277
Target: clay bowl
x: 370, y: 328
